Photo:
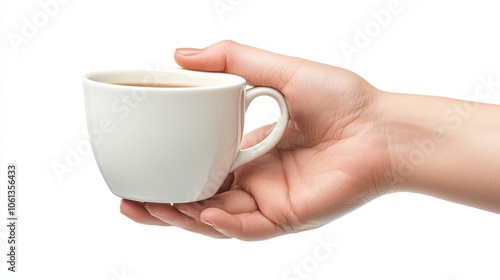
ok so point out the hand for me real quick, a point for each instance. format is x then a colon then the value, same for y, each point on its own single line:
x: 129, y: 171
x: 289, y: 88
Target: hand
x: 330, y: 161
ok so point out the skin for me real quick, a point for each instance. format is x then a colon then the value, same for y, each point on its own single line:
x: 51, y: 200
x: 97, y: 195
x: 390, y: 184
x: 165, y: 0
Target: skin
x: 347, y: 143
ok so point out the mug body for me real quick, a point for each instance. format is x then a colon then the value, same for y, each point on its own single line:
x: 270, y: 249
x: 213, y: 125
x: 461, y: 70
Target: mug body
x: 168, y: 136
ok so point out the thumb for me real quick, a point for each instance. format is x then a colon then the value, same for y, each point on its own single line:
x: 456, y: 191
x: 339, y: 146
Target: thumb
x: 258, y: 67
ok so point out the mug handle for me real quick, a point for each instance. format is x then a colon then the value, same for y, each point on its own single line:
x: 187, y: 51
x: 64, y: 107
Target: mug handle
x: 249, y: 154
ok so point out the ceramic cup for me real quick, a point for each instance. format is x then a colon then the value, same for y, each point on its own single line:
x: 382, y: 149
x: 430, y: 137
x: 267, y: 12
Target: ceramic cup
x: 171, y: 136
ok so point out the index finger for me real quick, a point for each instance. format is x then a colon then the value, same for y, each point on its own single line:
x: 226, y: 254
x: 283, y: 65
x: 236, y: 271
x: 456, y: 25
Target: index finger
x: 258, y: 67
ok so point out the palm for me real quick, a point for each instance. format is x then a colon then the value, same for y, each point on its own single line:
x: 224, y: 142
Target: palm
x: 291, y: 188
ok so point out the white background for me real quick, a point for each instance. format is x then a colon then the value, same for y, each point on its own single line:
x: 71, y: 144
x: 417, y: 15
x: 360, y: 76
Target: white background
x: 72, y: 228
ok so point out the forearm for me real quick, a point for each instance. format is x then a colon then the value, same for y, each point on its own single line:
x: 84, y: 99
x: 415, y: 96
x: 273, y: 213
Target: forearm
x: 444, y: 147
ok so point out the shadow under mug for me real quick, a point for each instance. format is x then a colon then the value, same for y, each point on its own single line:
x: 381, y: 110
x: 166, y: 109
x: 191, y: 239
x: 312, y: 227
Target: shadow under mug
x: 171, y: 136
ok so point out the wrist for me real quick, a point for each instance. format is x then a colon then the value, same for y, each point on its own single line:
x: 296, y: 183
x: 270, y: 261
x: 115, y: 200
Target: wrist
x: 411, y: 125
x: 442, y: 147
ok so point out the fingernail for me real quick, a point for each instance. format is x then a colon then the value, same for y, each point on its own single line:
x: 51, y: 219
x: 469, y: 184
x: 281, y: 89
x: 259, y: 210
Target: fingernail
x: 185, y: 212
x: 207, y: 223
x: 188, y: 51
x: 151, y: 212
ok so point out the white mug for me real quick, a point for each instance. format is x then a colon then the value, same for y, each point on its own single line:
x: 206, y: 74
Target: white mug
x: 171, y: 136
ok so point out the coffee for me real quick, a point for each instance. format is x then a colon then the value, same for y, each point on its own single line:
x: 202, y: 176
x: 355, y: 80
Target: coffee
x: 155, y: 85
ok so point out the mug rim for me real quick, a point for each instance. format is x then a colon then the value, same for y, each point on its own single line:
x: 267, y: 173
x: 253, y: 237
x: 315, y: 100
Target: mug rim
x: 194, y: 79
